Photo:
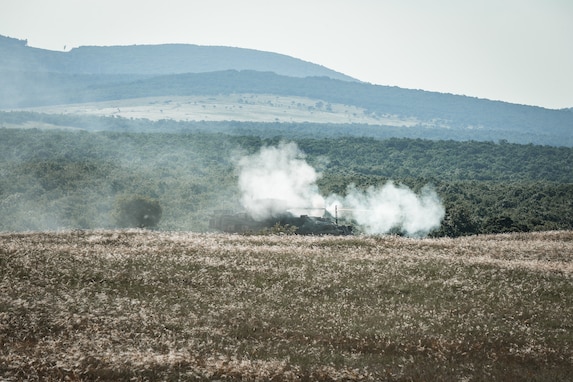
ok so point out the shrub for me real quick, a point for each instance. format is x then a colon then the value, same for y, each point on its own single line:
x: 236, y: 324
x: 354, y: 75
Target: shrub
x: 137, y: 212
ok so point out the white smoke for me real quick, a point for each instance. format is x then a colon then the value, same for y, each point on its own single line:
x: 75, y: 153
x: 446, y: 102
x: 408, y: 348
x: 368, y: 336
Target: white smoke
x: 390, y: 207
x: 277, y: 179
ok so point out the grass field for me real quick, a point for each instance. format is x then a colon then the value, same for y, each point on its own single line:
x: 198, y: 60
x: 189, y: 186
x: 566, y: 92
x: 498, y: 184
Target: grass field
x: 140, y: 305
x: 233, y: 107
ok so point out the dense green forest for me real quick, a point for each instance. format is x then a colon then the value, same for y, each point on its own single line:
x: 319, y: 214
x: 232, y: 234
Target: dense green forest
x: 56, y: 178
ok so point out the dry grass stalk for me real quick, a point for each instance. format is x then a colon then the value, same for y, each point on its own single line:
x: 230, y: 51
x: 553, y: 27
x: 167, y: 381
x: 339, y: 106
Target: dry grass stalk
x: 87, y: 305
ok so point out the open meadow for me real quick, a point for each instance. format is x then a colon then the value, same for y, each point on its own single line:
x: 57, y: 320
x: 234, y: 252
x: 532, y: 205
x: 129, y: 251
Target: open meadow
x: 147, y: 305
x: 232, y: 107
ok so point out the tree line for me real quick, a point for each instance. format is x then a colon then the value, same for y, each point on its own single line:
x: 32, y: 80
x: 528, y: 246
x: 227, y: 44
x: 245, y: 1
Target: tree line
x: 54, y: 179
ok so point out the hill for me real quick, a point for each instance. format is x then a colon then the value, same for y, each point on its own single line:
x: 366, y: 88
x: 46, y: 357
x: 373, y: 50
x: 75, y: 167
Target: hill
x: 34, y: 77
x: 15, y: 55
x: 268, y: 97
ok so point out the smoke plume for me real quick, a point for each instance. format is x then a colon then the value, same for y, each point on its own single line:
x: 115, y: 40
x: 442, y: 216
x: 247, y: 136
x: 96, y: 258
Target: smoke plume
x: 277, y: 179
x: 390, y: 207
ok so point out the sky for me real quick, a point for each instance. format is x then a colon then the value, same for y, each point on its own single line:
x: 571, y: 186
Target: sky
x: 518, y: 51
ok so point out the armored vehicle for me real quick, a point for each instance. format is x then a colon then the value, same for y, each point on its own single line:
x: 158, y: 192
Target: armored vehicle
x: 241, y: 222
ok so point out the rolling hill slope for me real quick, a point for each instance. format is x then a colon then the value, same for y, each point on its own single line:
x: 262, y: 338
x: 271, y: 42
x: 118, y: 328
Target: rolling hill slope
x: 15, y: 55
x: 34, y: 77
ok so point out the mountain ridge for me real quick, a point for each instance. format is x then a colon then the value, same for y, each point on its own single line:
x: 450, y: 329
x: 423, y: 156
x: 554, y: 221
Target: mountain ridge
x: 159, y: 59
x: 52, y: 78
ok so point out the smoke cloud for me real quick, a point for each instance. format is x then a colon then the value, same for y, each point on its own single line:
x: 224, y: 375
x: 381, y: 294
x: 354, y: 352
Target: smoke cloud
x: 390, y: 207
x: 277, y: 179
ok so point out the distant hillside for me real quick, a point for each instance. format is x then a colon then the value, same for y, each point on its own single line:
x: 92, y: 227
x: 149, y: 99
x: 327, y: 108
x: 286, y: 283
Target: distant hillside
x: 422, y: 114
x: 35, y: 77
x: 15, y: 55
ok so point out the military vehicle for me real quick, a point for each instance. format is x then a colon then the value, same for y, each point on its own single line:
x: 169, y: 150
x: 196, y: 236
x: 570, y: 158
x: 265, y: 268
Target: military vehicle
x: 242, y: 222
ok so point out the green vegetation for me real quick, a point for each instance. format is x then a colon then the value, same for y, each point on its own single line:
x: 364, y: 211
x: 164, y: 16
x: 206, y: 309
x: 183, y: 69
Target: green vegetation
x: 143, y: 305
x: 137, y: 212
x: 53, y: 178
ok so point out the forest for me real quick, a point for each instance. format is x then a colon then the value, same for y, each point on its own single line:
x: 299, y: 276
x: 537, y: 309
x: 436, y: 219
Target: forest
x: 71, y: 178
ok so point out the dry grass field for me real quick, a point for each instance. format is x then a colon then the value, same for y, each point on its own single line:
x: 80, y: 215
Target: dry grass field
x: 234, y: 107
x: 140, y: 305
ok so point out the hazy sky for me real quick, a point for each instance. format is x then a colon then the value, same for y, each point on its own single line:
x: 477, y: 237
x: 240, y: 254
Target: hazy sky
x: 512, y: 50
